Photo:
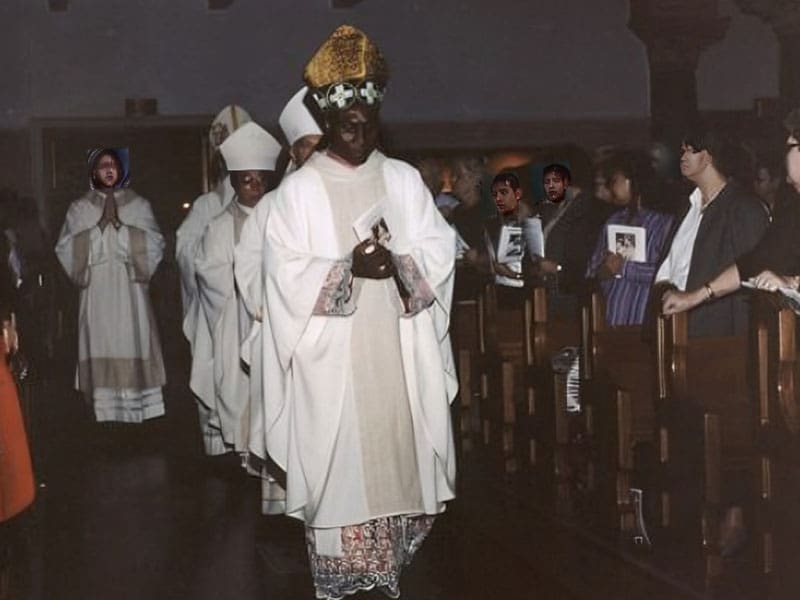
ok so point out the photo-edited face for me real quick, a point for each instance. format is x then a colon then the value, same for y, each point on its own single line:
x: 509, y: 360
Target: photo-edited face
x: 250, y: 186
x: 505, y: 197
x: 354, y: 133
x: 555, y: 187
x: 106, y: 171
x: 303, y: 148
x: 693, y: 162
x: 620, y: 190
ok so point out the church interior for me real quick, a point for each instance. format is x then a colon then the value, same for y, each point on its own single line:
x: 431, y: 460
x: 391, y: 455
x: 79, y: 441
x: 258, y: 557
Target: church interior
x: 621, y: 499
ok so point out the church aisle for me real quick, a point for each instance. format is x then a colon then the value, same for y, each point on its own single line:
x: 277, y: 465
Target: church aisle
x: 137, y: 512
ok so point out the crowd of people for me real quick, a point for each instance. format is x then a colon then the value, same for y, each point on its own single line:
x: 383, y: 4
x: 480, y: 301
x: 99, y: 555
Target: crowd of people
x: 317, y: 298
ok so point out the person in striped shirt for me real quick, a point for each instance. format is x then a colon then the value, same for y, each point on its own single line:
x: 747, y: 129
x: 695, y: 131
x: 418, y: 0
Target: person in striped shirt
x: 626, y: 283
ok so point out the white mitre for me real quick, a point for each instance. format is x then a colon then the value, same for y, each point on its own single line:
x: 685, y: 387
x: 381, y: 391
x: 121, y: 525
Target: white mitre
x: 296, y: 120
x: 228, y: 120
x: 250, y: 148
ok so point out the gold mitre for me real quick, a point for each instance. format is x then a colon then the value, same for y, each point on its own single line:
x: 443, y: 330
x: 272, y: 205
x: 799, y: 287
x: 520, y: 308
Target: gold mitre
x: 347, y: 67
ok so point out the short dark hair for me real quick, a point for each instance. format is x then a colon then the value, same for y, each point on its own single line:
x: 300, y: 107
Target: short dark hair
x: 635, y: 166
x: 108, y: 152
x: 559, y: 170
x: 508, y: 178
x: 726, y: 155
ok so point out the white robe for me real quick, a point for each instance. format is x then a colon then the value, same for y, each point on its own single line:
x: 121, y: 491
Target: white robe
x: 228, y: 321
x: 321, y: 429
x: 259, y: 346
x: 195, y: 328
x: 248, y: 270
x: 120, y: 366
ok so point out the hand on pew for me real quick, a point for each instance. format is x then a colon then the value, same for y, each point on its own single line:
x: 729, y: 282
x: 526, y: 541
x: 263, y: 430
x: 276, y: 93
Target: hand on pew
x: 674, y: 301
x: 767, y: 280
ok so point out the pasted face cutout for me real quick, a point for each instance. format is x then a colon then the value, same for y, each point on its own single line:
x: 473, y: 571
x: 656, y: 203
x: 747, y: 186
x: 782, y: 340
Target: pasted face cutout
x: 250, y: 186
x: 693, y: 162
x: 620, y: 189
x: 555, y: 187
x: 106, y: 171
x: 505, y: 197
x: 303, y: 148
x: 354, y: 133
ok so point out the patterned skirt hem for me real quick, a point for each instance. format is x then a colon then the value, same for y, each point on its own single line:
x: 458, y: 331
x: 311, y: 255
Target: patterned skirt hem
x: 374, y: 554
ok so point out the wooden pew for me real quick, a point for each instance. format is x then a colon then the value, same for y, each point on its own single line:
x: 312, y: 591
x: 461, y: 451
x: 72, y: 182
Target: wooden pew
x: 520, y: 340
x: 547, y: 423
x: 506, y: 327
x: 778, y: 423
x: 704, y: 379
x: 620, y: 387
x: 468, y: 350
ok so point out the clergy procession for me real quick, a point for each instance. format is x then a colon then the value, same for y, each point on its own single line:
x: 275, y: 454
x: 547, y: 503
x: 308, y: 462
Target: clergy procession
x: 604, y: 343
x: 317, y: 310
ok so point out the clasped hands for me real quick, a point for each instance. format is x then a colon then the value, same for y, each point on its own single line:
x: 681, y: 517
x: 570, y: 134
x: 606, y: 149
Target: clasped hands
x: 109, y: 214
x: 372, y: 260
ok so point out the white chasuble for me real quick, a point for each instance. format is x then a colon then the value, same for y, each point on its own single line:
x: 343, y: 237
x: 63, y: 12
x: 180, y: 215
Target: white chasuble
x: 195, y: 328
x: 364, y: 429
x: 258, y: 347
x: 120, y: 366
x: 248, y: 271
x: 229, y: 323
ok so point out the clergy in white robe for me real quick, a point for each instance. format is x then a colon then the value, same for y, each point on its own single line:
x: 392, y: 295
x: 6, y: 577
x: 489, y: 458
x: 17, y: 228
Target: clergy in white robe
x: 359, y: 275
x: 204, y: 209
x: 110, y: 246
x: 257, y: 349
x: 251, y: 154
x: 302, y: 133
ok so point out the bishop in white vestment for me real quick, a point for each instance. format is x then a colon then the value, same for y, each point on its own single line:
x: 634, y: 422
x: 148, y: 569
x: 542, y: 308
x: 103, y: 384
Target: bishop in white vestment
x: 250, y: 154
x: 187, y: 242
x: 358, y: 284
x: 302, y: 132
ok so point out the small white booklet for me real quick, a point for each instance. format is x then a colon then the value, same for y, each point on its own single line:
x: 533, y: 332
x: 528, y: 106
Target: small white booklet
x: 370, y: 222
x: 630, y: 242
x: 510, y: 251
x: 371, y: 225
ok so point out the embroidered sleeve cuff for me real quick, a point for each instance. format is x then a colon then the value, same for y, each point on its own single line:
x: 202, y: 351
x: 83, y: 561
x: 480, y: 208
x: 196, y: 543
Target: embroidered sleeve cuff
x: 418, y: 294
x: 336, y: 295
